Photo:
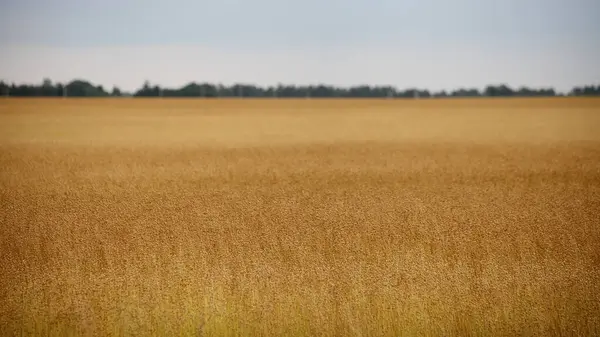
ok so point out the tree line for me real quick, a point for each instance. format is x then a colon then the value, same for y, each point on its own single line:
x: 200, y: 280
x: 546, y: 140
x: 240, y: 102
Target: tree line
x: 82, y: 88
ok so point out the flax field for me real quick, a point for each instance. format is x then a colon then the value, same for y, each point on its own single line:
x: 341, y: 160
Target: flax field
x: 309, y: 217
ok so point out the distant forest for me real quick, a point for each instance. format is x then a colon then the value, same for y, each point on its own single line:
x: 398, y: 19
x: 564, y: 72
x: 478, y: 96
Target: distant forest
x: 82, y: 88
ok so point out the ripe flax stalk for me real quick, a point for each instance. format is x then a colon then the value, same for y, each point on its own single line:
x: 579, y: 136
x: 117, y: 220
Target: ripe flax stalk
x: 329, y: 218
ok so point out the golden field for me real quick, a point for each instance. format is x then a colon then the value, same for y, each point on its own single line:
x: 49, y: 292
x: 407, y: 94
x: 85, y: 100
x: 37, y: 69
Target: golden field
x: 167, y: 217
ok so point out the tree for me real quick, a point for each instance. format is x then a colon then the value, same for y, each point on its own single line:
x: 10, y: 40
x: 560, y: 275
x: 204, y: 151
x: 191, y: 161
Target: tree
x: 147, y: 91
x: 82, y: 88
x: 588, y: 90
x: 116, y: 92
x: 4, y: 89
x: 498, y: 91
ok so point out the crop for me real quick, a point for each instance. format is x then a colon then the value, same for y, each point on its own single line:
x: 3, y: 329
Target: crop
x: 300, y: 217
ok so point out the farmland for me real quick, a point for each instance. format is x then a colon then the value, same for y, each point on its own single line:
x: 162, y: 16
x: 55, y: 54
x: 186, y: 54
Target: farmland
x: 300, y: 217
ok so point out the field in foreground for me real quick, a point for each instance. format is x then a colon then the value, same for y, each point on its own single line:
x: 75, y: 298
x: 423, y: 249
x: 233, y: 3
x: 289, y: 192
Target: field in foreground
x: 307, y: 217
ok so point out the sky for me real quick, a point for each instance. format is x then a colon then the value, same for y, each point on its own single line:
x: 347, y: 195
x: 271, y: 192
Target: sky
x: 429, y: 44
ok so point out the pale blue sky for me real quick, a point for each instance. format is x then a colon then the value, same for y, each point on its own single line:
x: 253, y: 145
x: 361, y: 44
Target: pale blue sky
x: 433, y: 44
